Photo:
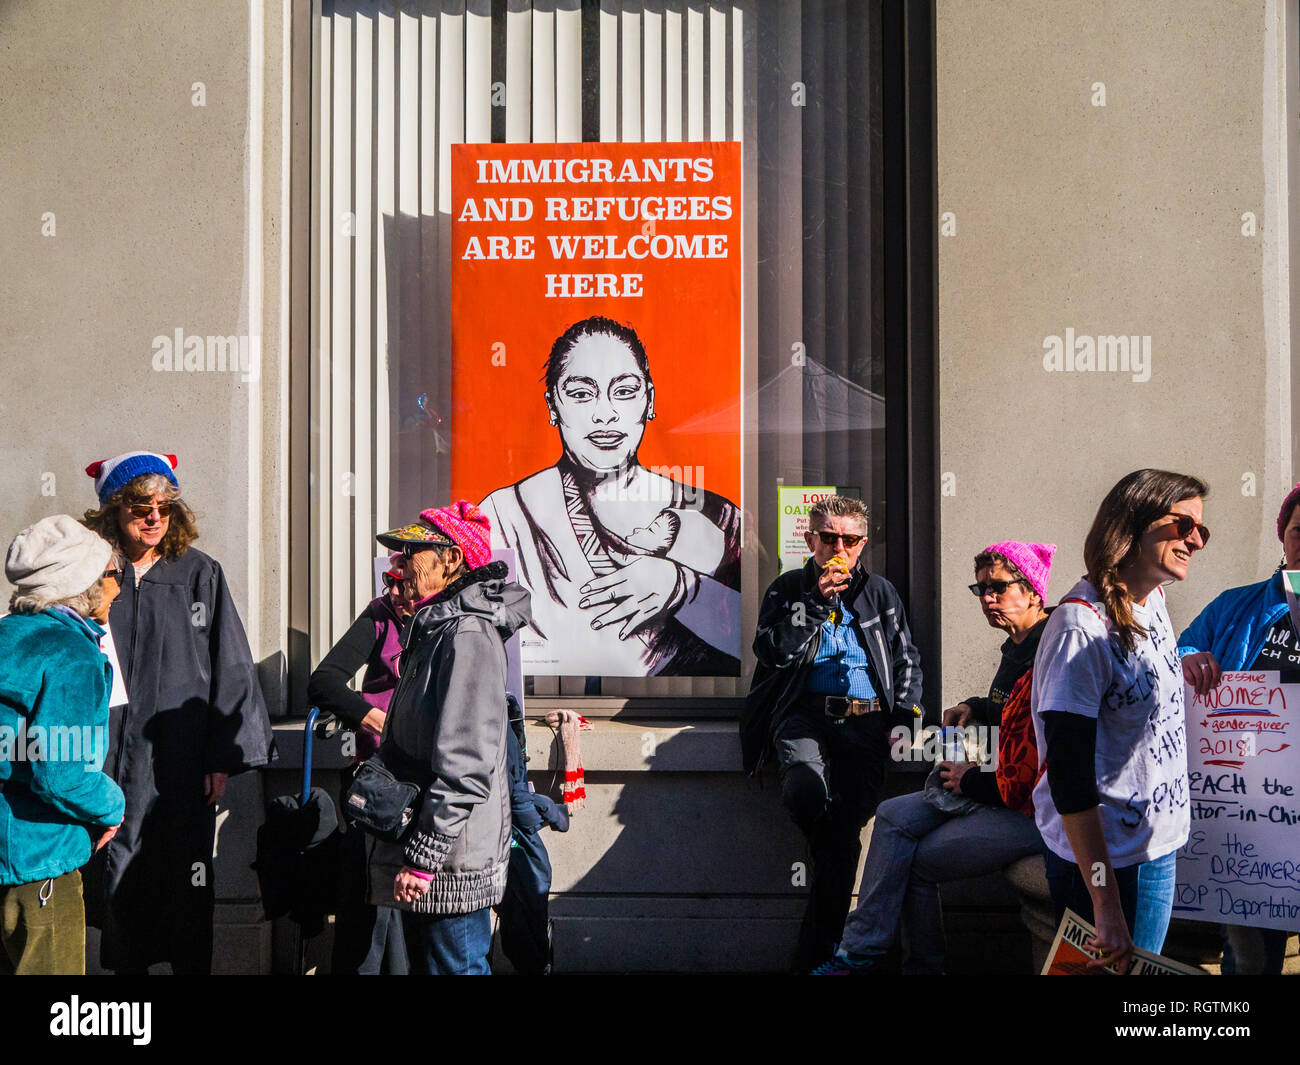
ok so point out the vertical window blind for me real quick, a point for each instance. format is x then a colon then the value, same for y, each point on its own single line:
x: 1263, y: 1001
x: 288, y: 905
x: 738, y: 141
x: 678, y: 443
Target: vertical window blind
x: 396, y: 84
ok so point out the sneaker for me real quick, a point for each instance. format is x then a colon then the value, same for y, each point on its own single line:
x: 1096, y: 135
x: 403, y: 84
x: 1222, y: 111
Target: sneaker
x: 845, y: 964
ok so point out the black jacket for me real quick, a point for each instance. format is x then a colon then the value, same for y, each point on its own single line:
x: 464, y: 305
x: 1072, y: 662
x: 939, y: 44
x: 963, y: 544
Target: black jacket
x: 789, y: 633
x: 1017, y: 660
x: 194, y: 708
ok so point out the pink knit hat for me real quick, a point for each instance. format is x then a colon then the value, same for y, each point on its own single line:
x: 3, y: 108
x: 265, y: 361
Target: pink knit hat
x: 1284, y: 515
x: 468, y: 526
x: 1033, y: 560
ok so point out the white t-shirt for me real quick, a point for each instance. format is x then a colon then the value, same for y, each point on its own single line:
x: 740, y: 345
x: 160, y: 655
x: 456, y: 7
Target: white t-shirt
x: 117, y: 696
x: 1137, y: 701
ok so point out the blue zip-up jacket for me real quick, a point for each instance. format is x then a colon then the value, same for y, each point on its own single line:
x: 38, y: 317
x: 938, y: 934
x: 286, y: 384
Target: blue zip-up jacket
x: 54, y: 678
x: 1235, y: 624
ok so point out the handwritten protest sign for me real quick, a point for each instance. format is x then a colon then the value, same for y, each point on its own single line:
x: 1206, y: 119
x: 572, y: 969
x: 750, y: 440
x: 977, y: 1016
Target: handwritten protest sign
x: 1242, y: 862
x: 1069, y: 957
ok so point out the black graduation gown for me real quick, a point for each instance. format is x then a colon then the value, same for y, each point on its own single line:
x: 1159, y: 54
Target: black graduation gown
x: 194, y: 707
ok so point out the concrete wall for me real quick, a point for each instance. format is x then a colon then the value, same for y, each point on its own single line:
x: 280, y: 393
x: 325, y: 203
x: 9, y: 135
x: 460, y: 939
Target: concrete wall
x: 1117, y: 219
x: 165, y: 216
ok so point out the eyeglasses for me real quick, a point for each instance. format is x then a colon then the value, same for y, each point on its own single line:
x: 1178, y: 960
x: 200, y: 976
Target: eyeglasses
x: 143, y: 510
x: 390, y: 578
x: 996, y: 587
x: 850, y: 540
x: 115, y: 574
x: 1185, y: 523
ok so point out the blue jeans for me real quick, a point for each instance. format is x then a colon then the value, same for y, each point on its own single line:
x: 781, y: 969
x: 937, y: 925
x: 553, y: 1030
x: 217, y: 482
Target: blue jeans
x: 915, y: 847
x: 1155, y: 902
x: 455, y: 944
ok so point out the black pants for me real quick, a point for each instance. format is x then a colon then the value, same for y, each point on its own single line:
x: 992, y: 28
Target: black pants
x: 1069, y: 890
x: 832, y: 776
x: 524, y: 912
x: 367, y: 939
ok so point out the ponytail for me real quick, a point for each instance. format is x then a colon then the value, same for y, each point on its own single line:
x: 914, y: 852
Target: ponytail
x: 1119, y: 608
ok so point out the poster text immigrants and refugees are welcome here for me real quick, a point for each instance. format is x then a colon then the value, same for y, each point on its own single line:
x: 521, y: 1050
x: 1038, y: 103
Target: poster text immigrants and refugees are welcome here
x: 596, y: 334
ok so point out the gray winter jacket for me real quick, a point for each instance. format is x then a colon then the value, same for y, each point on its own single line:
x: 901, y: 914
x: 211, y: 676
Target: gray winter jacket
x: 445, y: 731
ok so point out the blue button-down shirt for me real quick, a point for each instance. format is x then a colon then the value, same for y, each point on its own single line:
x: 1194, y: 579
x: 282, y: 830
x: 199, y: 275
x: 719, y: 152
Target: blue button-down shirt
x: 840, y: 667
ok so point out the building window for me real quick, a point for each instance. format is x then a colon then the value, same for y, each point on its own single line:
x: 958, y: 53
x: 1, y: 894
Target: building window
x: 813, y: 91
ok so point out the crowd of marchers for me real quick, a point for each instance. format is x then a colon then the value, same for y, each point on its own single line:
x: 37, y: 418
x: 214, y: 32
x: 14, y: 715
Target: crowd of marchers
x: 119, y: 625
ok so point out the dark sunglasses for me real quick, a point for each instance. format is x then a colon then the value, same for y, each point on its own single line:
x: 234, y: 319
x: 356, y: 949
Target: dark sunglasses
x: 850, y: 540
x: 996, y: 587
x: 116, y: 574
x: 143, y: 510
x: 1185, y: 523
x: 390, y: 578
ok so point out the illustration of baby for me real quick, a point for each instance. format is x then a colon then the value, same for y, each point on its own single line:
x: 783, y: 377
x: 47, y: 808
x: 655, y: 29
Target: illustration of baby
x: 684, y: 536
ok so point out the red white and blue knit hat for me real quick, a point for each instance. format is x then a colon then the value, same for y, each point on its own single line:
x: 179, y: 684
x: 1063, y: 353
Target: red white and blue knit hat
x: 112, y: 474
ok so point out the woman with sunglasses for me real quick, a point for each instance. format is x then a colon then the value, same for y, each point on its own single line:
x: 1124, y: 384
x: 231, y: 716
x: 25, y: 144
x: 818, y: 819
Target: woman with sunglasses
x: 367, y: 939
x: 916, y: 843
x: 1113, y: 806
x: 194, y: 717
x: 633, y: 573
x: 1249, y: 628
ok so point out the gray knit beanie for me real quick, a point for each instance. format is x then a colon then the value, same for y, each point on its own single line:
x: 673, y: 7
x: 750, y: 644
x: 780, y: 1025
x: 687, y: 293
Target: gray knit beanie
x: 57, y: 558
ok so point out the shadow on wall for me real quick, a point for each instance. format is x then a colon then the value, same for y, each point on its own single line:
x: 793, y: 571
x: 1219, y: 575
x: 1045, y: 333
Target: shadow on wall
x: 695, y: 867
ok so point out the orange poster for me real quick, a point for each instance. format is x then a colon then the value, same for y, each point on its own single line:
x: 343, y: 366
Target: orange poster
x: 596, y: 336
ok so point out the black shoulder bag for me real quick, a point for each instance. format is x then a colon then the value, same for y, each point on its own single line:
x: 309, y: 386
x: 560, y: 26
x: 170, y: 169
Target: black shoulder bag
x: 378, y: 802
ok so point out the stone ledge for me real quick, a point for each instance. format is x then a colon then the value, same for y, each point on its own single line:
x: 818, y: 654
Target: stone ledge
x: 655, y: 745
x: 610, y: 746
x: 652, y: 745
x: 658, y: 746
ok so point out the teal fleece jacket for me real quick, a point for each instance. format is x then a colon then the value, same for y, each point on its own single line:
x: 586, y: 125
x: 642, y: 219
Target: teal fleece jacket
x: 54, y: 686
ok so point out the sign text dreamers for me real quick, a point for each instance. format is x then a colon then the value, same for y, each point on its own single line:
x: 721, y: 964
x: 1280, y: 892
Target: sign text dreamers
x: 1239, y: 865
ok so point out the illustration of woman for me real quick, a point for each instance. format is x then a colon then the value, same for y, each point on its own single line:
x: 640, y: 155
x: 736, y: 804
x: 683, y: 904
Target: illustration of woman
x: 632, y: 573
